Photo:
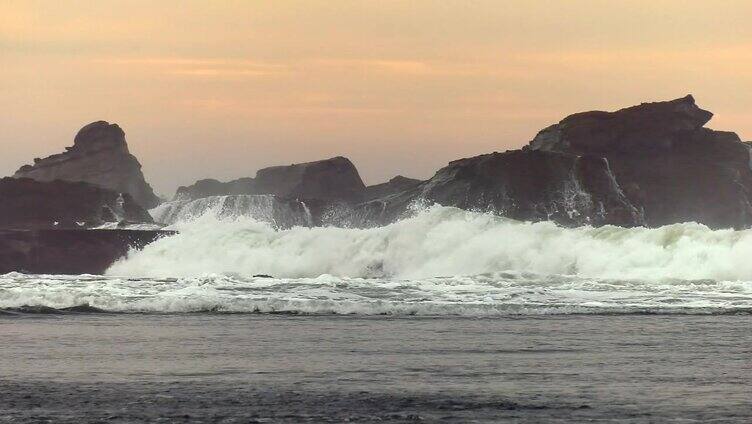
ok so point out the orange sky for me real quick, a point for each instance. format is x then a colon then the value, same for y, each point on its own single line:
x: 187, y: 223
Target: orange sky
x: 221, y: 88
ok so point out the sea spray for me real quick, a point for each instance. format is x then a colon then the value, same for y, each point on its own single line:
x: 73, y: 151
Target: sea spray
x: 279, y: 213
x: 443, y: 241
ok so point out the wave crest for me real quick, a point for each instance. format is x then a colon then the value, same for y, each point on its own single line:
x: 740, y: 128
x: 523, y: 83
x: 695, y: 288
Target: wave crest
x: 443, y: 241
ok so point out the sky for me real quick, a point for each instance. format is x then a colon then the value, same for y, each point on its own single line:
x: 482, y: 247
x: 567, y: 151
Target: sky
x: 222, y: 88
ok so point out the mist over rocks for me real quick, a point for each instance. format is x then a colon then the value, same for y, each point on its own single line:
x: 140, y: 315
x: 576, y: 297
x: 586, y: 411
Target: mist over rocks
x: 99, y: 156
x: 327, y: 192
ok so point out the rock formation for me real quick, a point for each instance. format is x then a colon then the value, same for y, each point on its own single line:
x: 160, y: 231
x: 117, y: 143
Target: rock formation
x: 99, y: 156
x: 68, y: 251
x: 330, y: 179
x: 652, y: 164
x: 524, y: 185
x: 668, y: 165
x: 636, y: 129
x: 30, y: 204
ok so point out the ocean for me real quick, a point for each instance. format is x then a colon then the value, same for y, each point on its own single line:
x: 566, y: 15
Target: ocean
x: 448, y: 316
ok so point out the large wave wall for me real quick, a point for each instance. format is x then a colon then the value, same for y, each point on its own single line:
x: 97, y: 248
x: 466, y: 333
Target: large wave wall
x: 443, y: 241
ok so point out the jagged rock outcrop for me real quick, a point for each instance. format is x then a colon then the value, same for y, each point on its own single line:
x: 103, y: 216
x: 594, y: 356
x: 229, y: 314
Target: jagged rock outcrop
x: 330, y: 179
x: 653, y: 164
x: 99, y: 156
x: 524, y: 185
x: 668, y: 164
x: 30, y: 204
x: 535, y: 186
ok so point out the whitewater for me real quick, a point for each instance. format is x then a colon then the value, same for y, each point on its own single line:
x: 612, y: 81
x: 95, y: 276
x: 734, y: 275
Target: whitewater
x: 440, y: 261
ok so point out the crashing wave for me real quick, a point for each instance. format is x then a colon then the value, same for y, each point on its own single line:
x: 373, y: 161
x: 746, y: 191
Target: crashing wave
x: 444, y: 241
x: 280, y: 213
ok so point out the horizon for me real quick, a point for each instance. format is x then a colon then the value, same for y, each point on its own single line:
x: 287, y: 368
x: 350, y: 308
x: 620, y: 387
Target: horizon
x: 222, y: 90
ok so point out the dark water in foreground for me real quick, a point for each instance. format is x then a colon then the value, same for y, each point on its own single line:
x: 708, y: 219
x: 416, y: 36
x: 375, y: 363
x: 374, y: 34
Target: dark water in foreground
x: 265, y: 368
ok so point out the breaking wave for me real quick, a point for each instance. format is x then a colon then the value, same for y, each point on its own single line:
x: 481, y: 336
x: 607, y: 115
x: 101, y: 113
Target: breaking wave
x: 441, y: 261
x: 443, y: 241
x: 279, y: 213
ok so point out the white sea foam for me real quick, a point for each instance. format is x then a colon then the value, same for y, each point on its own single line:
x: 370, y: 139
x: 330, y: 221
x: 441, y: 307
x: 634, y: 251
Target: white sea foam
x: 442, y: 261
x: 263, y: 207
x: 480, y: 295
x: 442, y: 241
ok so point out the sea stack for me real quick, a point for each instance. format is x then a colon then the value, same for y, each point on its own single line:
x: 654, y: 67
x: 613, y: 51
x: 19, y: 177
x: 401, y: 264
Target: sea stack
x: 99, y: 156
x: 329, y: 179
x: 648, y: 165
x: 668, y: 164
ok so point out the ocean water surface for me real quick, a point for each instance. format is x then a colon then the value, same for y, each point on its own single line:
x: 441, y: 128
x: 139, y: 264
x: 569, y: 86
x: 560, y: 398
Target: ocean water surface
x: 447, y: 316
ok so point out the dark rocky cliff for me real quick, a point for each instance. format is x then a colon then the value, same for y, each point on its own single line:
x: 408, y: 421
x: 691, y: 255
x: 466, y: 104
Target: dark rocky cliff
x: 45, y: 227
x: 30, y: 204
x: 520, y: 184
x: 652, y: 164
x: 329, y: 179
x: 68, y: 251
x: 99, y: 156
x: 668, y: 164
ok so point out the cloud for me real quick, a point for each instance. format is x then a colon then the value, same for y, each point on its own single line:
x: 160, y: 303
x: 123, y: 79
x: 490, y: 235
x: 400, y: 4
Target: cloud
x: 728, y: 59
x: 199, y: 67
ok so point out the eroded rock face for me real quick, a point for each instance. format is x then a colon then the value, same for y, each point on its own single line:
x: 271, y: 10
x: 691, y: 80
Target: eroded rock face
x: 653, y: 164
x: 31, y: 204
x: 330, y: 179
x: 99, y: 156
x: 668, y: 165
x: 524, y: 185
x: 535, y: 186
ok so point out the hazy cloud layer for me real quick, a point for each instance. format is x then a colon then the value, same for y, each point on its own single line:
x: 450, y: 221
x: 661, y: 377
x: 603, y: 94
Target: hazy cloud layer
x: 205, y: 88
